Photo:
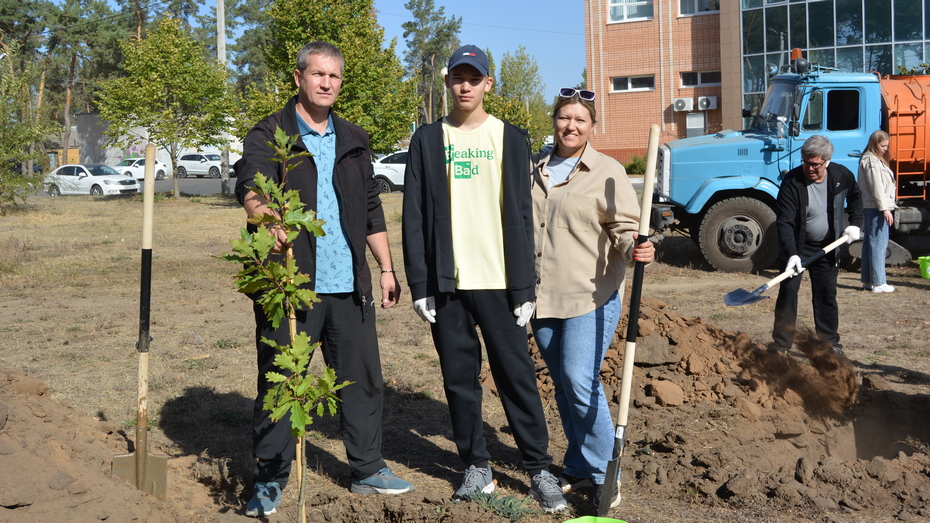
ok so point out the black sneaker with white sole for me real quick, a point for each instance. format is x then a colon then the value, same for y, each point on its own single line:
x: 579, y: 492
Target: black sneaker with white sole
x: 599, y: 492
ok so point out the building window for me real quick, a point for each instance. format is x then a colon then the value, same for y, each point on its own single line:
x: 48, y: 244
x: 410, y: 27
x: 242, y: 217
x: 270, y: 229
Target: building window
x: 630, y: 10
x: 633, y: 83
x: 698, y: 79
x: 693, y: 7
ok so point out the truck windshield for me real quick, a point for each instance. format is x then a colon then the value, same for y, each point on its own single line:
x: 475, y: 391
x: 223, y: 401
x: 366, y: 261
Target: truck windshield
x: 776, y: 108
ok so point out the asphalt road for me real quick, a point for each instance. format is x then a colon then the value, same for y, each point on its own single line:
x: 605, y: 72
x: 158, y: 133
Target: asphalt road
x: 194, y: 186
x: 208, y: 186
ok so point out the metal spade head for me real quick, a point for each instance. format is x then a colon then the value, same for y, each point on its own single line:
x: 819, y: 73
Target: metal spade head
x: 743, y: 297
x: 146, y: 471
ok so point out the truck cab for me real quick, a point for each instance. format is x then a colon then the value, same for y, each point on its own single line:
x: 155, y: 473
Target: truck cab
x: 722, y: 188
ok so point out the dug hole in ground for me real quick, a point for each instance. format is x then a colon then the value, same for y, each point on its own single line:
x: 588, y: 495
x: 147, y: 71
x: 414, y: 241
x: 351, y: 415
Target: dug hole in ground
x: 720, y: 429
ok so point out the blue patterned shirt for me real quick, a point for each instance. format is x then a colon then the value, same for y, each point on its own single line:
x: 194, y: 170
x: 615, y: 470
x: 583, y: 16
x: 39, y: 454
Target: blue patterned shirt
x: 333, y: 257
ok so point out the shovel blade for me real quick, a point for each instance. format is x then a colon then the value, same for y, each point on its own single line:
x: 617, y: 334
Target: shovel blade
x: 743, y: 297
x: 155, y: 473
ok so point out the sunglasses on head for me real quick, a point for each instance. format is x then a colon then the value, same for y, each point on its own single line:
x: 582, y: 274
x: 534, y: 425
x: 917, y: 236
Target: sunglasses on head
x: 584, y: 94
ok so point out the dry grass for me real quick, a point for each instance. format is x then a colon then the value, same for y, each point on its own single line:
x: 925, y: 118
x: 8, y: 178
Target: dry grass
x: 69, y: 292
x: 70, y: 286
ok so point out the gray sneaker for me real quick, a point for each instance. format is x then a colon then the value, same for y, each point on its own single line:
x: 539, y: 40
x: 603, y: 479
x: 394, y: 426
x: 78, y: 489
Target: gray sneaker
x: 546, y: 489
x: 476, y: 480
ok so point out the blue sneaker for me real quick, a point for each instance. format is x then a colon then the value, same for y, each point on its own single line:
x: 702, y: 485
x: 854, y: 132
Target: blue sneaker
x: 265, y: 500
x: 382, y: 482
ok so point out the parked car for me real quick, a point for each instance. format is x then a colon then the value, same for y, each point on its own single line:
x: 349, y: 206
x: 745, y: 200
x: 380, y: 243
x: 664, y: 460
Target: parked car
x: 93, y: 178
x: 201, y: 164
x: 135, y: 167
x: 389, y: 171
x: 17, y: 167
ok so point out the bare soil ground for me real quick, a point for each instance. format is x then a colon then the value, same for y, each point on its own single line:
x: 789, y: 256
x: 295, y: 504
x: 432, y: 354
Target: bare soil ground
x: 720, y: 431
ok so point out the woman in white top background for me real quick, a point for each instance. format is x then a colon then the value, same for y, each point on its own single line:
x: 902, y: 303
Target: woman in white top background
x: 877, y: 182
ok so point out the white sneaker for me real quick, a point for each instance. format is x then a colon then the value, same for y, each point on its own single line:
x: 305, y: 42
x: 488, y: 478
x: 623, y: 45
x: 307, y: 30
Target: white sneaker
x: 883, y: 288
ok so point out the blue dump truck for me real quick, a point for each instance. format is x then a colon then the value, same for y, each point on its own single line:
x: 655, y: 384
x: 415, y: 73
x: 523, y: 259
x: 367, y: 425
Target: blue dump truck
x: 721, y: 188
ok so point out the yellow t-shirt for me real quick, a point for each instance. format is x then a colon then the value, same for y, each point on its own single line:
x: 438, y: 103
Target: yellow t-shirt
x: 473, y: 163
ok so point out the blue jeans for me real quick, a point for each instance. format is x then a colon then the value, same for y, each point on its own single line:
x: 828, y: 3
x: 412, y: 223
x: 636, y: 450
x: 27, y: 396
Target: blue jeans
x: 874, y: 245
x: 574, y: 349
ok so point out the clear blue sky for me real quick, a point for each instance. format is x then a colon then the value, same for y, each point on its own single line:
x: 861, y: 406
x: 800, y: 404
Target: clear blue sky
x: 551, y: 31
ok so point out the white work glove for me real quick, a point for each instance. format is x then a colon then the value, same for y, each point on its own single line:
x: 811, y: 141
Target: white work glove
x: 854, y: 233
x: 794, y: 263
x: 426, y: 308
x: 524, y: 313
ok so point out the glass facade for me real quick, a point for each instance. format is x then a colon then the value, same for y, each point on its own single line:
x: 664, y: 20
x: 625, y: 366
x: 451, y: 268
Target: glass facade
x: 849, y: 35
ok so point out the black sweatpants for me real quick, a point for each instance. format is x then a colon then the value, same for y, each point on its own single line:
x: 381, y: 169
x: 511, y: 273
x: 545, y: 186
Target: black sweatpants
x: 514, y: 374
x: 349, y: 344
x: 822, y: 274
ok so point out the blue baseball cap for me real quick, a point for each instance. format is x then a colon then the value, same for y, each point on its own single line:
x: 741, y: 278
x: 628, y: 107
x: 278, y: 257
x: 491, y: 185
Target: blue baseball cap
x: 471, y: 55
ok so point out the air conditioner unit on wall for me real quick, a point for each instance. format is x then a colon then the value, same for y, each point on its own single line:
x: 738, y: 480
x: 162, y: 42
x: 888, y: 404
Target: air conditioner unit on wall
x: 683, y: 104
x: 707, y: 103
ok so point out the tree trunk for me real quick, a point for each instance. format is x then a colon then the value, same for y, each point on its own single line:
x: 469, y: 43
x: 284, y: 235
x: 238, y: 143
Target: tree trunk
x: 173, y: 153
x: 41, y: 87
x: 138, y: 20
x: 432, y: 80
x: 66, y: 135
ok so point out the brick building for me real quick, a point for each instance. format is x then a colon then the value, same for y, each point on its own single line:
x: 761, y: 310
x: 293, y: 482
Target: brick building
x: 644, y: 56
x: 691, y: 66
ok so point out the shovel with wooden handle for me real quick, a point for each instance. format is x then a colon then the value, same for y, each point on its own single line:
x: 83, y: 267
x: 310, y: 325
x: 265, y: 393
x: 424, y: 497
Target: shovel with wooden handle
x: 146, y: 471
x: 632, y: 330
x: 744, y: 297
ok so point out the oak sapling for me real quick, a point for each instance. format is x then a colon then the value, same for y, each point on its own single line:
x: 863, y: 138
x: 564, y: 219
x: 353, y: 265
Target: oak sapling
x: 279, y: 289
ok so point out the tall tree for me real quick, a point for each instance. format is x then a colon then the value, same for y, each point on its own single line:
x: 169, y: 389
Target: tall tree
x: 430, y: 38
x: 248, y: 59
x: 82, y: 48
x: 179, y: 97
x: 21, y: 131
x: 519, y: 95
x: 374, y: 93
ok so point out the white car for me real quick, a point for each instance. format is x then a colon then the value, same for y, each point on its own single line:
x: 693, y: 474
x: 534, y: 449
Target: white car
x: 389, y: 171
x: 93, y: 178
x: 135, y: 167
x: 200, y: 164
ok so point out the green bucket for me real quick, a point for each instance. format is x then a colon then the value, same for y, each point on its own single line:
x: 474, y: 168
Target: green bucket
x: 924, y: 266
x: 594, y: 519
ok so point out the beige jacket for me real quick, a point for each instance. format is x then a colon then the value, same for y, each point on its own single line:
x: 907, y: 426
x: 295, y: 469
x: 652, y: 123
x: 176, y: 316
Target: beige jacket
x: 876, y: 181
x: 584, y: 234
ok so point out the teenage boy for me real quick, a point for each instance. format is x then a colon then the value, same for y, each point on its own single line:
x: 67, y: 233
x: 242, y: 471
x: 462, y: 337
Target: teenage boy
x: 468, y: 252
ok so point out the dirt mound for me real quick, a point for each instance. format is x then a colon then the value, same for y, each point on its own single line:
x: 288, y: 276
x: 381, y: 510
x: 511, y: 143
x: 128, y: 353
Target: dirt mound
x: 720, y: 419
x: 56, y: 465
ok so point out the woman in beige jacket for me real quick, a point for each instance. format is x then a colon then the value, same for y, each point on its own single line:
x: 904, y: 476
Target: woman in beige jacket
x: 877, y: 183
x: 586, y: 216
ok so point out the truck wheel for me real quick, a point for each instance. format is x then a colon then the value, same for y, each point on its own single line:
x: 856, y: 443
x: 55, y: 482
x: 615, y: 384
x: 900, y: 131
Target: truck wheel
x: 738, y: 235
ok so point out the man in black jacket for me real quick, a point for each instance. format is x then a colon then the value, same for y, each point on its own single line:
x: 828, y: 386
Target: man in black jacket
x: 468, y: 254
x: 337, y: 183
x: 809, y: 216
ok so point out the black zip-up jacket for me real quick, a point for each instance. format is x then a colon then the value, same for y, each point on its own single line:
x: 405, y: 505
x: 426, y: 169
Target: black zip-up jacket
x: 791, y: 208
x: 427, y: 225
x: 356, y: 189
